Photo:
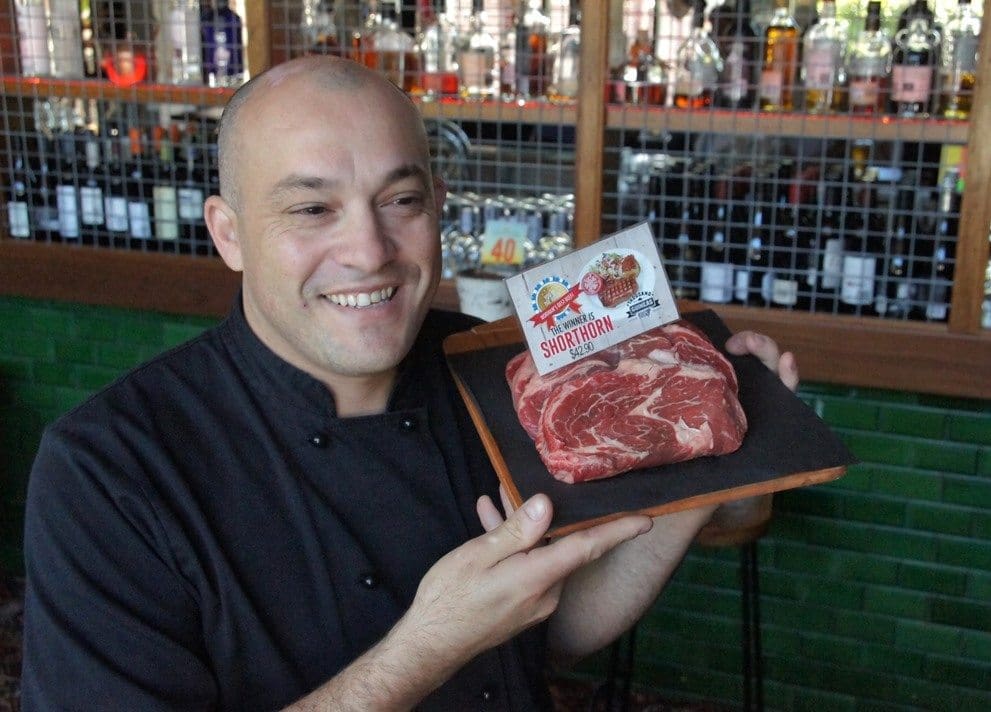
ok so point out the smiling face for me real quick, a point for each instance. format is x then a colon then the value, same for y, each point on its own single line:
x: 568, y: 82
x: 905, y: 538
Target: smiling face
x: 333, y: 220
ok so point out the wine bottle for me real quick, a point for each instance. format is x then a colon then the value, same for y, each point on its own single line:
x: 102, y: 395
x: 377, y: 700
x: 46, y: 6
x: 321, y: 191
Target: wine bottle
x: 823, y: 58
x: 18, y: 215
x: 222, y: 44
x: 717, y: 270
x: 67, y: 189
x: 913, y: 68
x: 861, y: 252
x: 65, y: 39
x: 91, y: 192
x: 697, y: 65
x: 958, y: 62
x: 780, y: 66
x: 532, y: 59
x: 44, y: 206
x: 869, y: 65
x: 566, y: 59
x: 189, y: 194
x: 477, y: 55
x: 165, y: 201
x: 32, y: 38
x: 436, y: 44
x: 138, y: 188
x: 114, y: 189
x: 185, y: 40
x: 739, y: 47
x: 899, y: 288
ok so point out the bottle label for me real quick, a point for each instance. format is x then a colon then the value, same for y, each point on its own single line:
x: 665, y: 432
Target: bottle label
x: 784, y: 292
x: 717, y: 282
x: 476, y: 71
x: 865, y: 93
x: 771, y: 82
x: 68, y: 210
x: 741, y: 284
x: 820, y: 68
x: 911, y: 84
x: 166, y: 212
x: 832, y: 263
x: 190, y: 204
x: 965, y: 52
x: 115, y: 209
x: 139, y: 218
x: 17, y: 219
x: 857, y: 284
x: 91, y: 202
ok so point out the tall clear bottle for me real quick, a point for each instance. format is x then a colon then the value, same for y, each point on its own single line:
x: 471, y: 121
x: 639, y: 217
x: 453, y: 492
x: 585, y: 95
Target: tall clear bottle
x: 222, y: 43
x: 65, y: 39
x: 566, y: 58
x: 532, y: 43
x: 32, y: 38
x: 739, y: 48
x: 869, y: 65
x: 697, y: 65
x: 18, y: 196
x: 184, y: 42
x: 823, y: 58
x: 477, y: 58
x: 780, y: 68
x: 913, y: 68
x: 319, y: 29
x: 958, y: 63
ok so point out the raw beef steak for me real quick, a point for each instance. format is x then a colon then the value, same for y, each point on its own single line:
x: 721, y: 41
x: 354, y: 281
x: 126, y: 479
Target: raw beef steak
x: 665, y: 396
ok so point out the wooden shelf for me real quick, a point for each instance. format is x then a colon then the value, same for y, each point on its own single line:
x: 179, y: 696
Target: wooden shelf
x: 834, y: 349
x: 40, y: 87
x: 884, y: 128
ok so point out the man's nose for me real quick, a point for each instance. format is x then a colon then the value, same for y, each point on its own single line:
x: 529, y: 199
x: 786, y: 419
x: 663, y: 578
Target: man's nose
x: 365, y: 243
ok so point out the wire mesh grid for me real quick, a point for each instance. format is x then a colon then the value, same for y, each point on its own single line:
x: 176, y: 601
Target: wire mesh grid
x: 836, y: 211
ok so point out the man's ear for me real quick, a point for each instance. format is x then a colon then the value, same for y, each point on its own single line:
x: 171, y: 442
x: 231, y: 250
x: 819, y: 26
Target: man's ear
x: 221, y: 221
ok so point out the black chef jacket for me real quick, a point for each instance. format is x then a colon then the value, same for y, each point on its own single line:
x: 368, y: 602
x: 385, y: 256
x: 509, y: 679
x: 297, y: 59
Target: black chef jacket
x: 206, y: 533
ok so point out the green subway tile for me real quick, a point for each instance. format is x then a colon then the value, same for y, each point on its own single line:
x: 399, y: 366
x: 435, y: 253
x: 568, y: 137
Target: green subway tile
x: 948, y: 457
x: 968, y: 491
x: 975, y: 644
x: 981, y: 524
x: 55, y: 373
x: 979, y: 587
x: 889, y: 659
x: 842, y: 535
x: 908, y: 421
x: 793, y: 669
x: 778, y: 640
x: 791, y: 557
x: 853, y: 415
x: 15, y: 369
x: 853, y: 680
x: 962, y: 613
x: 177, y: 333
x: 969, y: 428
x: 926, y: 637
x: 821, y: 648
x: 911, y: 484
x: 936, y: 579
x: 98, y: 327
x: 898, y: 602
x: 831, y: 592
x: 882, y: 706
x: 30, y: 345
x: 972, y: 674
x: 928, y: 694
x: 799, y: 616
x: 970, y: 553
x: 904, y: 544
x: 984, y: 462
x: 75, y: 351
x: 146, y: 331
x: 941, y: 519
x: 96, y: 377
x: 854, y: 566
x: 119, y: 356
x: 880, y: 448
x: 779, y: 584
x: 877, y: 510
x: 819, y: 701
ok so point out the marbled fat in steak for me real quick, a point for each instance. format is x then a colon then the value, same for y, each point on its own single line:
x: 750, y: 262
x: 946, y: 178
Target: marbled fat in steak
x: 664, y: 396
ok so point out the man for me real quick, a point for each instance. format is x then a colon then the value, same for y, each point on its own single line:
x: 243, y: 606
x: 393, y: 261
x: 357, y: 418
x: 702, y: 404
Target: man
x: 293, y: 509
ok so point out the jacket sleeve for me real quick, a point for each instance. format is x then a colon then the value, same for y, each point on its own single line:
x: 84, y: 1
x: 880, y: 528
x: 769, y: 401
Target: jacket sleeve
x: 110, y: 623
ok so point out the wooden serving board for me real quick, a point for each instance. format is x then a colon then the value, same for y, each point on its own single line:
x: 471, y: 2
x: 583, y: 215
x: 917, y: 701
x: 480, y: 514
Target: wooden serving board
x: 787, y: 445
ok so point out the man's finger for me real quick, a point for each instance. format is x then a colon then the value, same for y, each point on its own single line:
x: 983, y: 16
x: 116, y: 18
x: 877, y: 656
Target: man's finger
x: 522, y: 529
x: 488, y: 515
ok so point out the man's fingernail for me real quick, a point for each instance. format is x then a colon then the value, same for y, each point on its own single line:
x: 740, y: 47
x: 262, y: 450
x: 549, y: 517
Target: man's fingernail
x: 536, y: 509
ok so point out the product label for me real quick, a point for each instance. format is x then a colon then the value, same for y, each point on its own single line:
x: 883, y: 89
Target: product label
x: 91, y: 202
x: 592, y: 298
x: 502, y: 243
x: 139, y: 218
x: 820, y: 68
x: 832, y: 263
x: 68, y: 211
x: 857, y: 284
x: 190, y: 204
x: 115, y: 209
x: 166, y: 212
x: 911, y: 84
x: 717, y: 282
x: 771, y: 81
x: 784, y: 292
x: 17, y: 219
x: 741, y: 284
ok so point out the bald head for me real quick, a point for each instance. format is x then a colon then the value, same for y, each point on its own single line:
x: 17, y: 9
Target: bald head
x: 291, y: 82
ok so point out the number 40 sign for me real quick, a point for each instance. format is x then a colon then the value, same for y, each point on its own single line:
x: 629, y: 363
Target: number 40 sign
x: 502, y: 243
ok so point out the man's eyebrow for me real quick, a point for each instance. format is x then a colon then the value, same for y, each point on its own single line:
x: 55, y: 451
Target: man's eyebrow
x: 298, y: 181
x: 408, y: 170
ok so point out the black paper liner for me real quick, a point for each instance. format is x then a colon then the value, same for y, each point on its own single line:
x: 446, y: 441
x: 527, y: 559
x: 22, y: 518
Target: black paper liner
x: 784, y: 437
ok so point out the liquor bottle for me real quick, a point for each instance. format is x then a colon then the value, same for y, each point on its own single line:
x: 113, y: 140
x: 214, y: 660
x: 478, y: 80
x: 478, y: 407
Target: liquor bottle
x: 788, y: 259
x: 165, y: 200
x: 823, y: 50
x: 67, y: 190
x: 697, y: 66
x: 114, y: 189
x: 32, y: 38
x: 899, y: 289
x: 18, y: 215
x: 644, y: 77
x: 869, y: 65
x: 65, y: 39
x: 184, y: 42
x: 739, y: 47
x: 44, y: 206
x: 387, y: 48
x: 958, y: 63
x: 566, y: 59
x: 861, y: 252
x: 319, y: 29
x: 913, y: 68
x: 753, y: 277
x: 222, y: 44
x: 681, y: 259
x: 189, y: 194
x: 436, y: 44
x: 91, y: 55
x: 938, y: 270
x: 717, y: 269
x: 138, y: 186
x: 831, y: 238
x: 532, y: 58
x: 91, y: 191
x: 477, y: 56
x: 780, y: 66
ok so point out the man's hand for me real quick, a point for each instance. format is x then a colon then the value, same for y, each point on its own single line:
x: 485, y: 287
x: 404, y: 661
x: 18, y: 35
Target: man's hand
x: 766, y: 349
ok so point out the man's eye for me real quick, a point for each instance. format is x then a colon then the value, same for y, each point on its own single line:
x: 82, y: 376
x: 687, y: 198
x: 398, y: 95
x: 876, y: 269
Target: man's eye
x: 314, y: 210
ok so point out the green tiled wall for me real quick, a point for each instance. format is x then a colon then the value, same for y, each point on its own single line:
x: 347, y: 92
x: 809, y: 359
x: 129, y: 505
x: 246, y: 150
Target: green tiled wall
x: 875, y: 589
